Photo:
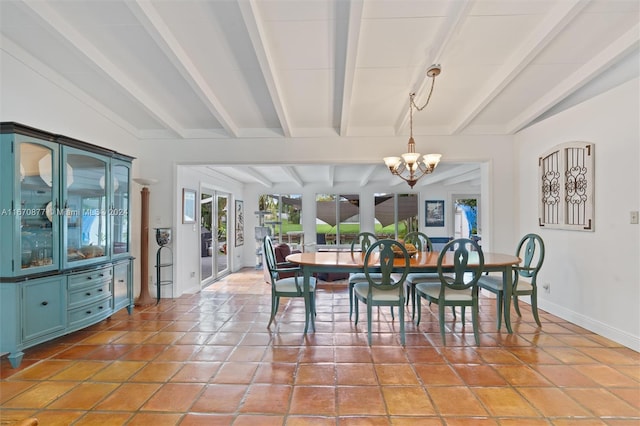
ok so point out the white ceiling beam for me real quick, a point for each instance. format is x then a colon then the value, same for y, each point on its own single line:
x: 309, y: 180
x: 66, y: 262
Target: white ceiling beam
x: 554, y: 22
x: 458, y: 11
x: 441, y: 175
x: 351, y: 56
x: 251, y: 17
x: 599, y: 63
x: 157, y: 28
x: 59, y: 25
x: 40, y: 68
x: 218, y: 175
x: 465, y: 177
x: 290, y: 171
x: 366, y: 176
x: 259, y: 177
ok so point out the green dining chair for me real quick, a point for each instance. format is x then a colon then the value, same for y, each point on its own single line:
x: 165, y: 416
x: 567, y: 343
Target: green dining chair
x: 361, y: 243
x: 422, y: 243
x: 286, y: 287
x: 381, y: 289
x: 531, y: 250
x: 458, y: 283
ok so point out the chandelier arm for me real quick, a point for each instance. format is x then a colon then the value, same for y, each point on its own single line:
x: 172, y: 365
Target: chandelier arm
x: 423, y: 168
x: 412, y: 179
x: 421, y: 171
x: 400, y: 169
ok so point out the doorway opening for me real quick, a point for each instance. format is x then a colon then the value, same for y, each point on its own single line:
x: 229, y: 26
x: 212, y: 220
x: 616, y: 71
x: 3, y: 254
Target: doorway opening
x: 466, y: 220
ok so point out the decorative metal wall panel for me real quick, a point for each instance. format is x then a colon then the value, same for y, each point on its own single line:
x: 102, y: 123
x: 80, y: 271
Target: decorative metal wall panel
x: 550, y: 189
x: 566, y: 191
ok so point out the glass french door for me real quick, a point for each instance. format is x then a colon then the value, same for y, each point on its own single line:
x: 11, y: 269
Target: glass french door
x: 214, y: 252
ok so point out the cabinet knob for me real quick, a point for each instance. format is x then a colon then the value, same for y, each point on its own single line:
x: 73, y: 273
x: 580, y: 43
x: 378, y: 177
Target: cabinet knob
x: 89, y: 277
x: 100, y: 290
x: 88, y: 294
x: 120, y: 281
x: 88, y: 312
x: 45, y: 303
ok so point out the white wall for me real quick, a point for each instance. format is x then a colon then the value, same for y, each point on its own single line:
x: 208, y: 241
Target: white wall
x: 594, y: 276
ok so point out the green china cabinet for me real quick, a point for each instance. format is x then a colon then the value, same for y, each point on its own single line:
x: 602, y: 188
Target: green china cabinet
x: 65, y: 260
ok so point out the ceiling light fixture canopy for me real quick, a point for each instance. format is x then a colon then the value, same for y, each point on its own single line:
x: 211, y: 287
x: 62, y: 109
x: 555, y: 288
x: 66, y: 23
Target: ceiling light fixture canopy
x: 409, y: 167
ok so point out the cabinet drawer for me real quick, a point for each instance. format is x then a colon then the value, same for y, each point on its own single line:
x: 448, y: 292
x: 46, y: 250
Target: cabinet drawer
x: 89, y: 294
x: 83, y: 278
x: 89, y: 314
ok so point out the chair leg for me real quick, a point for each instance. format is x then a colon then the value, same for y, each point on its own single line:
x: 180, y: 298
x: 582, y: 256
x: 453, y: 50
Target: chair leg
x: 351, y: 300
x: 401, y: 316
x: 275, y: 302
x: 515, y: 305
x: 534, y: 307
x: 419, y: 307
x: 462, y: 308
x: 355, y: 307
x: 407, y: 290
x: 499, y: 303
x: 413, y: 302
x: 474, y: 319
x: 392, y: 317
x: 441, y: 309
x: 369, y: 315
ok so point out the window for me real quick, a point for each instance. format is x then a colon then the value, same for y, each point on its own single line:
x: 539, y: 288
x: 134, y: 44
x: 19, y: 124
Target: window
x: 282, y: 216
x: 396, y: 214
x: 337, y: 218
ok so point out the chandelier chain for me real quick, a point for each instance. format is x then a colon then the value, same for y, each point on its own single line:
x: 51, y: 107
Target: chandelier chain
x: 412, y: 96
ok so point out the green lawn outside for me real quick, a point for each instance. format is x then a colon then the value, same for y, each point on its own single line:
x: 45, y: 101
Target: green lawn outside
x: 346, y: 228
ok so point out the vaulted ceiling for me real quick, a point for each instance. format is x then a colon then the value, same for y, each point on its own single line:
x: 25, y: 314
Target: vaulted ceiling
x: 229, y: 69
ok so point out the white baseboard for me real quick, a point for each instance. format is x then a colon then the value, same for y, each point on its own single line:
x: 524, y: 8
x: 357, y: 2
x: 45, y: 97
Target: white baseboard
x: 618, y: 336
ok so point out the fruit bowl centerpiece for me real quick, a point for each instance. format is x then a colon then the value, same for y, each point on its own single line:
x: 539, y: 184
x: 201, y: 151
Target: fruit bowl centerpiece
x: 410, y: 248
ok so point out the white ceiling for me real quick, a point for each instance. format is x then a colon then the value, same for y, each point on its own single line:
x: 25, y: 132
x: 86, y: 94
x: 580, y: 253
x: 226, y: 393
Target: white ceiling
x: 228, y: 69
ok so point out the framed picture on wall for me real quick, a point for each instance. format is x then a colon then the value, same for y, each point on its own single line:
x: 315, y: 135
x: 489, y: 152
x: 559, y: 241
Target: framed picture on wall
x: 188, y: 205
x: 239, y: 223
x: 434, y: 213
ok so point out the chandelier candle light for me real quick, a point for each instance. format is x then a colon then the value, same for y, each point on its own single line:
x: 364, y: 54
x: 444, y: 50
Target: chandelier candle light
x: 409, y: 167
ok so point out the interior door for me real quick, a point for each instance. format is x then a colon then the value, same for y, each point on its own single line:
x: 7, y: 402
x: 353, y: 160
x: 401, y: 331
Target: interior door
x: 206, y: 241
x: 214, y: 252
x: 221, y: 235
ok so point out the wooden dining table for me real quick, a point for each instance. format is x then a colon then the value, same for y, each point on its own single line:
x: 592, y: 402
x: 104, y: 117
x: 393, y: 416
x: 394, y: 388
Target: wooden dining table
x: 346, y: 261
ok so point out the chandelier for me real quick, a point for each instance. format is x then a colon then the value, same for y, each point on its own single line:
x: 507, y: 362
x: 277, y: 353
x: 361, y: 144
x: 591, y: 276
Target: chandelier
x: 409, y: 167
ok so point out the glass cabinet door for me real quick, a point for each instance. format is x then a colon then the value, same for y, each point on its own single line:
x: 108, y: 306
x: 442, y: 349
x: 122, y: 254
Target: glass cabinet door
x: 85, y: 207
x: 36, y: 205
x: 119, y: 211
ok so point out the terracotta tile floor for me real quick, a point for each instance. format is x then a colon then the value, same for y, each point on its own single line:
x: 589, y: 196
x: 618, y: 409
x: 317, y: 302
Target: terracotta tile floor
x: 208, y: 359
